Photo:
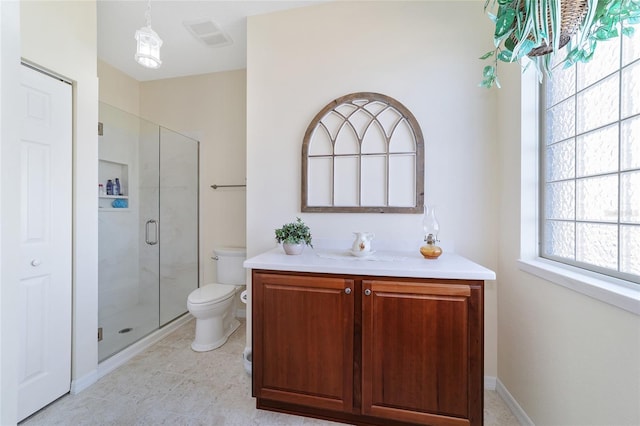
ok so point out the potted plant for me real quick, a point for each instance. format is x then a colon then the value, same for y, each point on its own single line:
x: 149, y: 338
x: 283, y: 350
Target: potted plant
x: 538, y: 29
x: 294, y: 236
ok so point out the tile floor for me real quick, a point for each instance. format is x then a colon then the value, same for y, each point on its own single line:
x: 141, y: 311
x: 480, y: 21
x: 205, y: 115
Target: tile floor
x: 169, y: 384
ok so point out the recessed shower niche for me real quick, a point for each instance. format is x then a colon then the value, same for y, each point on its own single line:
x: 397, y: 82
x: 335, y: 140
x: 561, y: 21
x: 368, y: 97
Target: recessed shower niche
x: 109, y: 170
x: 148, y: 232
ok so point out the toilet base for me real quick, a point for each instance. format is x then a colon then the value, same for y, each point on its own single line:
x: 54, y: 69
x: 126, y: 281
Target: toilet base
x: 198, y: 346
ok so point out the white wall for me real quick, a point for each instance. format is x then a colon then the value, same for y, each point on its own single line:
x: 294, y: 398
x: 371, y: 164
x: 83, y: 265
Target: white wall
x: 118, y: 89
x: 9, y: 214
x: 566, y: 358
x: 300, y: 60
x: 61, y: 36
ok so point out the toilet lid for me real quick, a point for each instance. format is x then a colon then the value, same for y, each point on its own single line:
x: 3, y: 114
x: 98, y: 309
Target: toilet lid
x: 211, y: 293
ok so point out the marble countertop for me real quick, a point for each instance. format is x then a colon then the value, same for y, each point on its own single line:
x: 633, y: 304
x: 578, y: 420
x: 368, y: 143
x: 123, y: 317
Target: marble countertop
x: 380, y: 263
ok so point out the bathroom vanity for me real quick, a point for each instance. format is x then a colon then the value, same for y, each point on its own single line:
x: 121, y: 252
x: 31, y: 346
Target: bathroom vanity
x: 393, y: 339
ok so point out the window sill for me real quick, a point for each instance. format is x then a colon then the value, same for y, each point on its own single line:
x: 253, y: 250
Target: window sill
x: 610, y: 290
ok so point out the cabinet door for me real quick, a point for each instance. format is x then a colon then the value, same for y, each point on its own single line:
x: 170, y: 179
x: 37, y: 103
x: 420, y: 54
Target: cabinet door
x: 303, y: 340
x: 422, y: 352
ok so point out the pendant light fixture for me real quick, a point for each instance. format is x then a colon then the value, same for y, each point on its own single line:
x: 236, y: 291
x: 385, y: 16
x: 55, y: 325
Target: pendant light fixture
x: 148, y: 44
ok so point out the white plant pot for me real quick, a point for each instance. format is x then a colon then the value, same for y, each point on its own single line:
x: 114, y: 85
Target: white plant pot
x: 293, y: 248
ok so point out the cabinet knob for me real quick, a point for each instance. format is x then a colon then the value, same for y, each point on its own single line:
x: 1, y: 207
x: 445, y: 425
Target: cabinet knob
x: 367, y: 292
x: 347, y: 290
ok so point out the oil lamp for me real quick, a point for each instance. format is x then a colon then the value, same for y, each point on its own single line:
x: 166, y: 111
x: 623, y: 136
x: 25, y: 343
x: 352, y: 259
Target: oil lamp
x: 431, y: 228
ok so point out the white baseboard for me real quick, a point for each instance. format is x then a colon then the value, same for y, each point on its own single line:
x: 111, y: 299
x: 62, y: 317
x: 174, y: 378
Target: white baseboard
x: 490, y: 383
x: 81, y: 383
x: 513, y: 405
x: 110, y: 364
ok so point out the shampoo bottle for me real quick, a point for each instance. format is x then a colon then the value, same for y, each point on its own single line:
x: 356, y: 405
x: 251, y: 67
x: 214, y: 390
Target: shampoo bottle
x: 116, y: 187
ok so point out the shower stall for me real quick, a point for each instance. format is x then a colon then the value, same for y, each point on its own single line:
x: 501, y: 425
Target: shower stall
x: 148, y: 227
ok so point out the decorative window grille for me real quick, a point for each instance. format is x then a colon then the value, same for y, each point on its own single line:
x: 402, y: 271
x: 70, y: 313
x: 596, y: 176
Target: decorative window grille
x: 363, y: 152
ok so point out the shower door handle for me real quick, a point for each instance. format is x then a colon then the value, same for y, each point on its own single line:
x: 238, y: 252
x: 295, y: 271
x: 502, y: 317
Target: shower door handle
x: 155, y: 232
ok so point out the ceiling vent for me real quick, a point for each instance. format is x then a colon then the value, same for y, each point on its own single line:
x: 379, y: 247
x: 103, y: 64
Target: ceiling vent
x: 208, y: 32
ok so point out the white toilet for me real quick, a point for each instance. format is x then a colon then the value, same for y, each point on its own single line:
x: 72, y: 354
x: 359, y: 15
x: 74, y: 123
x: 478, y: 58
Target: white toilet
x: 213, y: 305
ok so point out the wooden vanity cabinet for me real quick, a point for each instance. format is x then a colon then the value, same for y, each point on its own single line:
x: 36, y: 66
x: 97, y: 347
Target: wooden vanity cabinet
x: 369, y: 350
x: 303, y: 332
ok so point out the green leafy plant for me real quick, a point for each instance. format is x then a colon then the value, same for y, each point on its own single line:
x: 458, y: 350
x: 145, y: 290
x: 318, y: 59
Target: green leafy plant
x: 521, y: 31
x: 294, y: 233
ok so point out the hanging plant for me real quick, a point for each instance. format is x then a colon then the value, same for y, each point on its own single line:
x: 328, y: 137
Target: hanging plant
x: 538, y: 29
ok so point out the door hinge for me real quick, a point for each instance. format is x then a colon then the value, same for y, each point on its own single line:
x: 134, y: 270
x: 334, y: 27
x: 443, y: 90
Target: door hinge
x: 99, y: 334
x: 100, y: 131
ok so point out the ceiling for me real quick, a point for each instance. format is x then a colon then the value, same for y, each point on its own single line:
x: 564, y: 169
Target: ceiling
x: 182, y: 54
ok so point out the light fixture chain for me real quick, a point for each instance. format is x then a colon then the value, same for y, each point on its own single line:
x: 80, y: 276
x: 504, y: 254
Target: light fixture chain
x: 147, y: 14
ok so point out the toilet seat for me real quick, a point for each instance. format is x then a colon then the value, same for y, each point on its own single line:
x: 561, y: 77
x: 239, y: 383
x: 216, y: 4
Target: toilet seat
x: 211, y: 293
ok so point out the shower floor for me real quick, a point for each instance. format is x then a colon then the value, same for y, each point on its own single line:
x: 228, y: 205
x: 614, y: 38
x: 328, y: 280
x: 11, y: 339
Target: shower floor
x: 126, y: 327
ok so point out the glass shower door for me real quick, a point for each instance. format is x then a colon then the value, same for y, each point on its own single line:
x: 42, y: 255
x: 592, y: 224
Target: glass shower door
x: 179, y: 227
x: 148, y: 231
x: 128, y: 249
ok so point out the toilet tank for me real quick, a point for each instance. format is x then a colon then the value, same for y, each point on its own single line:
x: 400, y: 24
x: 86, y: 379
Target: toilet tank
x: 230, y: 270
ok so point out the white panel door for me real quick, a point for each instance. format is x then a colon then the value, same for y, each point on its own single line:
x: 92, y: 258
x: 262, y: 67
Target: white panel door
x: 45, y: 245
